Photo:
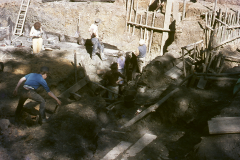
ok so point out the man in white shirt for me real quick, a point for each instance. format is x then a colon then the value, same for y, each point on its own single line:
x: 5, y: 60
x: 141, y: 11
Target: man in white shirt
x: 36, y: 34
x: 93, y: 30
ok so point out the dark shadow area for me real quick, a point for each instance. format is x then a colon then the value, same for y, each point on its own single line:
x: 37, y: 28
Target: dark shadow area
x: 70, y: 133
x: 170, y: 39
x: 154, y: 5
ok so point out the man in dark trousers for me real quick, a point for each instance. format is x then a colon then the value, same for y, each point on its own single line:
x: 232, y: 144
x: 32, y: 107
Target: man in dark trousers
x: 111, y: 77
x: 33, y: 81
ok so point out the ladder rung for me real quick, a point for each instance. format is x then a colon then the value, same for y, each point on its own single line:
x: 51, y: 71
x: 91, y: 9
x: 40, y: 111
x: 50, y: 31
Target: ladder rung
x: 21, y: 14
x: 24, y: 5
x: 18, y: 29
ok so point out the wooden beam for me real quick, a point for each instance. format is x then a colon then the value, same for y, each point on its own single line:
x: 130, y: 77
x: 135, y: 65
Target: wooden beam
x: 221, y: 126
x: 192, y: 44
x: 149, y: 27
x: 74, y: 88
x: 105, y: 88
x: 150, y: 109
x: 227, y: 41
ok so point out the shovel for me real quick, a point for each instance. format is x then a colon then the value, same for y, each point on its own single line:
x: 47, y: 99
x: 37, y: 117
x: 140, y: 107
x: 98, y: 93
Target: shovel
x: 202, y: 82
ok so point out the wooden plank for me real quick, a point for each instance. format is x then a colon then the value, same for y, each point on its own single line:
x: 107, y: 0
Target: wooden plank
x: 74, y: 88
x: 166, y: 24
x: 152, y: 108
x: 149, y: 27
x: 145, y: 140
x: 121, y: 147
x: 174, y: 73
x: 192, y: 44
x: 224, y: 126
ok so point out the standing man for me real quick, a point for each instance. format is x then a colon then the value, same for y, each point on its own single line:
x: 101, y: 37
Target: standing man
x: 93, y: 30
x: 121, y: 64
x: 111, y: 77
x: 141, y: 54
x: 36, y: 34
x: 33, y: 81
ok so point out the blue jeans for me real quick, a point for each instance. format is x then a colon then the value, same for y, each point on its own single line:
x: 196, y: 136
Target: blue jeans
x: 96, y: 46
x: 24, y: 95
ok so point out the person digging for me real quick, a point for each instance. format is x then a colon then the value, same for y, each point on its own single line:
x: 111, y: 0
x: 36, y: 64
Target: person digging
x: 33, y: 81
x: 111, y: 77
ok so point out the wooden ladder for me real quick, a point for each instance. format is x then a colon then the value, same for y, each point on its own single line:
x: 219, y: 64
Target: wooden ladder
x: 21, y: 18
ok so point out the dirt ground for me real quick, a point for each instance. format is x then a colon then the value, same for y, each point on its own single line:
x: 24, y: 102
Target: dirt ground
x: 76, y: 129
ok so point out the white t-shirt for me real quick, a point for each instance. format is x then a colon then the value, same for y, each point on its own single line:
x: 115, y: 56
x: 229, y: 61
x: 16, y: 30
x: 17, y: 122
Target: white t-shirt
x: 36, y: 33
x: 93, y: 29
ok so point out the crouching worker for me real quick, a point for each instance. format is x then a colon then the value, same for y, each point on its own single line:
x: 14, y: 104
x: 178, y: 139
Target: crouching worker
x: 111, y: 77
x: 33, y: 81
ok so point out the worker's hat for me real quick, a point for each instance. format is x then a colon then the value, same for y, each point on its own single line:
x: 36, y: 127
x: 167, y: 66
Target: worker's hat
x: 141, y: 42
x: 97, y: 21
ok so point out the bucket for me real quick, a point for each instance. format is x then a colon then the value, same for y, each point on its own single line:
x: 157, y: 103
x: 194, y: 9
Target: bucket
x: 129, y: 101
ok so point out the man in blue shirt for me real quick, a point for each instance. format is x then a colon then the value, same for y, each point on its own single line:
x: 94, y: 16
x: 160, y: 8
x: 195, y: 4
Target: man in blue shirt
x: 141, y: 54
x: 33, y: 81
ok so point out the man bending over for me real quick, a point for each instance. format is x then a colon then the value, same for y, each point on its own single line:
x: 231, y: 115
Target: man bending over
x: 33, y: 81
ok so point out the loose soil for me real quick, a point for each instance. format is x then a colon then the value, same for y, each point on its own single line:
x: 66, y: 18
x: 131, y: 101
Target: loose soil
x: 75, y: 130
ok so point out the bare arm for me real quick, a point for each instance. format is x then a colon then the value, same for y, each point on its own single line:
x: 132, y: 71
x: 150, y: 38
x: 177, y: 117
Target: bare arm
x: 19, y: 83
x: 54, y: 97
x: 136, y: 52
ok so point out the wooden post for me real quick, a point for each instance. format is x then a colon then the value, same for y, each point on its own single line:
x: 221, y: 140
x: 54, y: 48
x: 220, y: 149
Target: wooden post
x: 166, y: 24
x: 224, y: 27
x: 194, y: 52
x: 206, y: 30
x: 127, y: 1
x: 184, y: 65
x: 150, y: 43
x: 130, y: 16
x: 135, y: 20
x: 184, y: 8
x: 214, y: 13
x: 141, y: 34
x: 145, y: 31
x: 75, y: 65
